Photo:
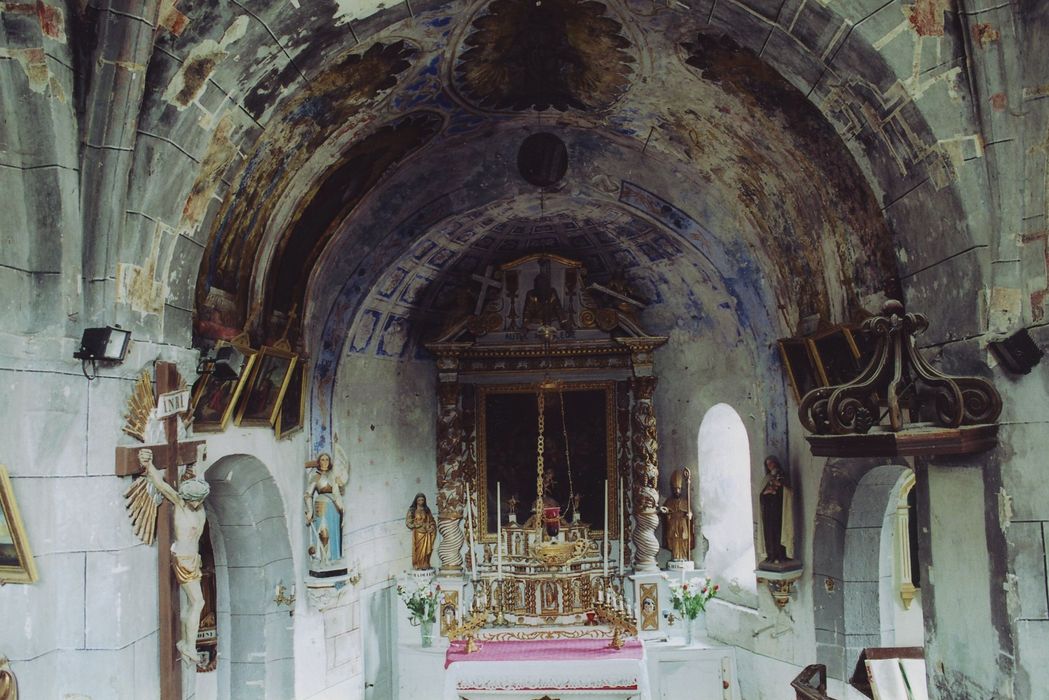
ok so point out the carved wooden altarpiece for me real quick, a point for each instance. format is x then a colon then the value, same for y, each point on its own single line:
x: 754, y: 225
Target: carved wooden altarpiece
x: 541, y: 329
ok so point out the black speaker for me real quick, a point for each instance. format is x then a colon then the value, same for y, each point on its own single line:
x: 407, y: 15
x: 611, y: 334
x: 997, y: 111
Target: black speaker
x: 1018, y: 353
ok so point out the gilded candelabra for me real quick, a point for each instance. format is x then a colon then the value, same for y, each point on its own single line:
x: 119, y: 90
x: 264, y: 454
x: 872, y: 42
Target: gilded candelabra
x: 619, y: 618
x: 467, y: 628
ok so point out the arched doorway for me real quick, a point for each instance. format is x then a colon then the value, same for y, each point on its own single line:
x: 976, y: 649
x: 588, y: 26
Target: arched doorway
x: 252, y: 556
x: 854, y: 580
x: 726, y: 510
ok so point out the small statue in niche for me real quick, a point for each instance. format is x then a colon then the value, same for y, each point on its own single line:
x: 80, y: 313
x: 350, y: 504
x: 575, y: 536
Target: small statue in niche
x: 324, y: 512
x: 679, y: 534
x: 189, y: 520
x: 424, y: 532
x: 776, y: 502
x: 542, y: 305
x: 511, y: 509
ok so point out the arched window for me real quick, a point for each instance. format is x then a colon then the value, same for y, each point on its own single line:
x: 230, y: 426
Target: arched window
x: 899, y: 583
x: 726, y: 513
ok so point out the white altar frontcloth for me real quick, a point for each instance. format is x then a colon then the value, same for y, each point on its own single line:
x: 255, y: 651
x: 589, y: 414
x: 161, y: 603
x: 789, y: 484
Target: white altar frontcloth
x: 585, y: 668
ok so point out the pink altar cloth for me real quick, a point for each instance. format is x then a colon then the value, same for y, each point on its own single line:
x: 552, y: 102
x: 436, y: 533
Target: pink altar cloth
x: 545, y: 650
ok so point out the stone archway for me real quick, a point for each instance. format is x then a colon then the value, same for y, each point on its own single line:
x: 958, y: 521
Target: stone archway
x: 252, y: 556
x: 854, y: 494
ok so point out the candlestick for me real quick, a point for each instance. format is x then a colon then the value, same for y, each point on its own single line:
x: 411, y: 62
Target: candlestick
x: 604, y: 547
x: 622, y: 516
x: 498, y: 529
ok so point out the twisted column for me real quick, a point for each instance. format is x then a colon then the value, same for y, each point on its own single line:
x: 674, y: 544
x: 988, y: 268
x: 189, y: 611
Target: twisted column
x: 646, y: 476
x: 449, y: 490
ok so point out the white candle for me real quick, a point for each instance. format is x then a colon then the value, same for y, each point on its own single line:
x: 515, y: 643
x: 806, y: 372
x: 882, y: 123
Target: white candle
x: 498, y: 529
x: 604, y: 547
x: 622, y: 542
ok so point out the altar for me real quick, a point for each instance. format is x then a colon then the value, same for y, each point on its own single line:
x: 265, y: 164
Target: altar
x: 584, y: 668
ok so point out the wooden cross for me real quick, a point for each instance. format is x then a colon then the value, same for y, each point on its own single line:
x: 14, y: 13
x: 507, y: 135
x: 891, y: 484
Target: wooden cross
x: 487, y: 281
x: 166, y: 457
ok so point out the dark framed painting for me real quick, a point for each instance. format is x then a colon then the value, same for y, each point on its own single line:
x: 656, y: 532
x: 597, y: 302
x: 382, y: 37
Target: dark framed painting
x: 292, y: 411
x: 579, y: 450
x: 16, y: 561
x: 215, y: 399
x: 837, y: 356
x: 796, y: 354
x: 266, y: 386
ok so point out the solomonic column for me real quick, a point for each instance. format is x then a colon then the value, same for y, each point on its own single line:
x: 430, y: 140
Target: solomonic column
x: 449, y: 481
x: 646, y: 475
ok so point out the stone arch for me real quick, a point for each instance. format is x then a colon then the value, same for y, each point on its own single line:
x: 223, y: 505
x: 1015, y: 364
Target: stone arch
x: 252, y: 556
x: 726, y: 510
x: 853, y: 496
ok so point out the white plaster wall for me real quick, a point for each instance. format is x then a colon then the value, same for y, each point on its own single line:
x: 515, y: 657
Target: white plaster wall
x: 88, y: 627
x: 385, y: 426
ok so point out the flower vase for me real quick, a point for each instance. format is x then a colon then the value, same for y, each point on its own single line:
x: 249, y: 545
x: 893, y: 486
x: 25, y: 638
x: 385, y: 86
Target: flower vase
x: 695, y: 628
x: 426, y: 630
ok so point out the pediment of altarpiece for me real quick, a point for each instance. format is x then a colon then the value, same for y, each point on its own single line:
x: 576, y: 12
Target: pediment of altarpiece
x: 541, y: 313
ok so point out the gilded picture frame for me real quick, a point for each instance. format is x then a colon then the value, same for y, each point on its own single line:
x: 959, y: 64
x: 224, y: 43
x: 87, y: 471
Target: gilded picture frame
x: 509, y: 428
x: 292, y: 412
x: 214, y: 400
x: 16, y: 559
x: 266, y: 386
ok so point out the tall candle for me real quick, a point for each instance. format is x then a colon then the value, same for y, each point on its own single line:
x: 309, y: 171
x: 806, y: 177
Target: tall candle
x: 498, y: 529
x: 604, y: 548
x: 622, y: 542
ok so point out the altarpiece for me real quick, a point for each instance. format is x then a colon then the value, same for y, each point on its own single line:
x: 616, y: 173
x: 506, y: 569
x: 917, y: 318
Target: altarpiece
x: 546, y: 443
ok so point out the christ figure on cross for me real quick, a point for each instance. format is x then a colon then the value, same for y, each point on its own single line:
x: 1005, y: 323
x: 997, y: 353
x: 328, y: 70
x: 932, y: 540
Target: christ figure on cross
x: 189, y: 519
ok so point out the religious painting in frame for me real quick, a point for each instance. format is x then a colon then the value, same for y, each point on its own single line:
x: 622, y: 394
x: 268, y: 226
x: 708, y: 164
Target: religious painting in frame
x: 215, y: 399
x: 266, y: 386
x: 16, y: 561
x: 449, y: 611
x: 797, y: 360
x: 292, y: 411
x: 507, y: 436
x: 649, y: 606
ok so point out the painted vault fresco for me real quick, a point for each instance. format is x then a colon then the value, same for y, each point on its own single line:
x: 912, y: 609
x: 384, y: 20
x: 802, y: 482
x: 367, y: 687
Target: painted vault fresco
x: 558, y: 54
x: 335, y: 98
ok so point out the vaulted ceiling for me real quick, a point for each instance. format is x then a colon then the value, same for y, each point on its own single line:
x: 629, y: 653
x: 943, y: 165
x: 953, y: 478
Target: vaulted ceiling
x: 758, y: 142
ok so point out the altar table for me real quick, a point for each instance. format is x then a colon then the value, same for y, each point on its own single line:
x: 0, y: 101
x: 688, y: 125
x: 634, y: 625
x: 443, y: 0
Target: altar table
x: 560, y: 668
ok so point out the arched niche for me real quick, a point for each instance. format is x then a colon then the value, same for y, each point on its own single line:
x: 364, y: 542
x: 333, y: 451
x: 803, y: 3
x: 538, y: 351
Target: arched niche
x: 252, y: 556
x: 725, y: 503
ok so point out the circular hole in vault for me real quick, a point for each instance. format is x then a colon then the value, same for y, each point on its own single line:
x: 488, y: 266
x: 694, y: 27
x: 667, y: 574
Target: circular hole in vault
x: 542, y: 159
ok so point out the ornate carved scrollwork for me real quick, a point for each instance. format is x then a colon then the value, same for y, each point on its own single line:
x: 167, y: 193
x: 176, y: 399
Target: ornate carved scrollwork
x: 899, y: 381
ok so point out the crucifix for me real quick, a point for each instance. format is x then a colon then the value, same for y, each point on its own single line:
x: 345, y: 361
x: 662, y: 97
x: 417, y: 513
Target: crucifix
x: 487, y: 281
x: 167, y: 457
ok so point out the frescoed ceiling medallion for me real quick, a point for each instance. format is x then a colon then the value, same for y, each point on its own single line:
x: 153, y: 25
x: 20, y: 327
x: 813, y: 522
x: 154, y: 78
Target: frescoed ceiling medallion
x: 559, y: 54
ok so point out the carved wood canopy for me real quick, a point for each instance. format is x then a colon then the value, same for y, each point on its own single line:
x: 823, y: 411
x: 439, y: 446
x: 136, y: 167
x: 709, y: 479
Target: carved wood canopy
x: 900, y: 405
